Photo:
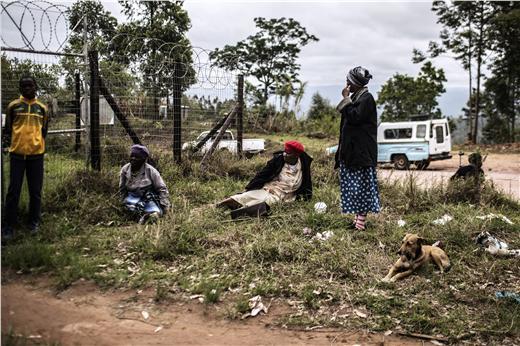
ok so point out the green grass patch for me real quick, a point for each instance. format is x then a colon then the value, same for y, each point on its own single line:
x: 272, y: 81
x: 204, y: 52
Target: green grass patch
x: 198, y: 249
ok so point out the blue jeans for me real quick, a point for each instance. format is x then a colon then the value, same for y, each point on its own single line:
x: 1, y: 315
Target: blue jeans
x: 149, y: 207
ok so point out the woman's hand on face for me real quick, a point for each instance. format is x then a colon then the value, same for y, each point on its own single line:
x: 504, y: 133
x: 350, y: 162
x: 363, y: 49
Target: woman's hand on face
x: 346, y: 91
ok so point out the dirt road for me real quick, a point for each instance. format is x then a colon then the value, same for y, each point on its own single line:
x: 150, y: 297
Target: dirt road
x: 502, y: 169
x: 84, y: 315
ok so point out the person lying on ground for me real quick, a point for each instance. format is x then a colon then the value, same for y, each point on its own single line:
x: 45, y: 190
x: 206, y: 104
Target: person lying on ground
x: 144, y: 192
x: 286, y: 177
x: 473, y: 170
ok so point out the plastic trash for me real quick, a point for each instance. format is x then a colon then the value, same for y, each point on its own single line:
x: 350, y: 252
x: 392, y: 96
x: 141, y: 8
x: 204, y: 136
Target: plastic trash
x: 323, y: 236
x: 307, y: 231
x: 320, y: 207
x: 256, y: 306
x: 496, y: 216
x: 401, y: 223
x: 443, y: 220
x: 495, y: 246
x: 507, y: 294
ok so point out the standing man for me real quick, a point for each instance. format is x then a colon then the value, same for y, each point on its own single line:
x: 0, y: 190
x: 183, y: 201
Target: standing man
x: 24, y: 135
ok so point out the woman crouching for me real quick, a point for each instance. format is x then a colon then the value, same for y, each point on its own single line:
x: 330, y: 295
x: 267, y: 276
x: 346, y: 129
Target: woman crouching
x: 144, y: 192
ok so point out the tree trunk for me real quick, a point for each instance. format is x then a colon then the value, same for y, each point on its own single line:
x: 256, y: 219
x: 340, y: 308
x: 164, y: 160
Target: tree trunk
x: 479, y: 66
x: 470, y: 109
x: 513, y: 111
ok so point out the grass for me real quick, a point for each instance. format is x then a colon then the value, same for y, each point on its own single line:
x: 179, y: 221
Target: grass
x: 197, y: 249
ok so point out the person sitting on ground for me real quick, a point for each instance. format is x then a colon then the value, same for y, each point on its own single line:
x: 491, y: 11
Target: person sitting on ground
x: 286, y: 177
x: 144, y: 192
x: 473, y: 170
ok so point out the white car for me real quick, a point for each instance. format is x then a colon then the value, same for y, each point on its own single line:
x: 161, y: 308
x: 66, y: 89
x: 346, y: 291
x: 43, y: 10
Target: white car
x: 229, y: 143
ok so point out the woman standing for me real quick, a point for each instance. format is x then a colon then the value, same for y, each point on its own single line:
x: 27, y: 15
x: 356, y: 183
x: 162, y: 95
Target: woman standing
x: 357, y: 150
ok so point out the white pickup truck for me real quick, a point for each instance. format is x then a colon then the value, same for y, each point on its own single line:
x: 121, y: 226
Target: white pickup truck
x: 228, y: 143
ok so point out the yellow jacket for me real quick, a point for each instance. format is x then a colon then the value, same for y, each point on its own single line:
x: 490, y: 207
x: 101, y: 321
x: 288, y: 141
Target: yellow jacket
x: 26, y: 126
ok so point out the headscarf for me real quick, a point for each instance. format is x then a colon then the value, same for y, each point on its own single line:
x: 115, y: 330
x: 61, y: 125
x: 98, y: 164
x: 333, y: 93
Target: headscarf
x: 139, y: 150
x: 475, y: 159
x: 294, y: 147
x: 359, y: 76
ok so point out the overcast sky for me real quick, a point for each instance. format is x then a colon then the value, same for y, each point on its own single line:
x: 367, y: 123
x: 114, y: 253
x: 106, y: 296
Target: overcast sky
x: 377, y: 35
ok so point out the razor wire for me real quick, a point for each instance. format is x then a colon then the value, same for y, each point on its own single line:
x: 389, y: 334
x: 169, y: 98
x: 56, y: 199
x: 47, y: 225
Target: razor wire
x: 35, y: 25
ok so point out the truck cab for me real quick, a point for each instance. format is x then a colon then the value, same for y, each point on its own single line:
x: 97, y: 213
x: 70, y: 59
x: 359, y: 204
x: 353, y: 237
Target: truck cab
x: 417, y: 142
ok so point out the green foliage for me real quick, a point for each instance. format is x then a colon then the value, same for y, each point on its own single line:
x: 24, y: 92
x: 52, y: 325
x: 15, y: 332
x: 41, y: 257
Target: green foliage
x: 503, y: 87
x: 466, y: 33
x: 269, y: 55
x: 197, y: 249
x: 402, y: 96
x: 47, y: 77
x: 162, y: 47
x: 320, y: 108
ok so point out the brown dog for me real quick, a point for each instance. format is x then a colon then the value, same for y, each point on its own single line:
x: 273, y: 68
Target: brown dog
x: 413, y: 255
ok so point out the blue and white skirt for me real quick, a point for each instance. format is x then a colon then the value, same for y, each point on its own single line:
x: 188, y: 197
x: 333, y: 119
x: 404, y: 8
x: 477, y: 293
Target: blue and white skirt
x: 359, y: 190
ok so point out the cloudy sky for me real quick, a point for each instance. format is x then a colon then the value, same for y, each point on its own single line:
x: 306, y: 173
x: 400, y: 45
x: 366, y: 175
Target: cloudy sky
x: 379, y: 35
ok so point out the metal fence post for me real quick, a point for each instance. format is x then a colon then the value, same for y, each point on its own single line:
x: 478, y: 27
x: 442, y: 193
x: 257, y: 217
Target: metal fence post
x: 240, y: 115
x: 177, y: 112
x: 78, y: 112
x: 95, y: 147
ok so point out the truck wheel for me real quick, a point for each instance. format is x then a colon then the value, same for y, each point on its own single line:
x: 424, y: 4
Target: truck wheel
x: 401, y: 162
x: 248, y: 155
x: 422, y: 165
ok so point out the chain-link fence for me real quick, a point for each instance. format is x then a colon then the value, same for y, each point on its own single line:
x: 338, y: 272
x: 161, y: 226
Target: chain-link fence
x: 112, y: 94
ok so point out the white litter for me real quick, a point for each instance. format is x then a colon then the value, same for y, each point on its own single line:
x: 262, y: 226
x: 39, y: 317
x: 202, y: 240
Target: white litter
x: 323, y: 236
x: 307, y: 231
x: 360, y: 314
x: 401, y: 223
x: 256, y: 306
x: 145, y: 314
x: 388, y: 332
x: 443, y: 220
x: 495, y: 216
x: 320, y: 207
x: 495, y: 246
x: 158, y: 329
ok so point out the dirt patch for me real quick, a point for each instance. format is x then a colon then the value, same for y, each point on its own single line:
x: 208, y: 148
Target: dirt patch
x: 84, y: 315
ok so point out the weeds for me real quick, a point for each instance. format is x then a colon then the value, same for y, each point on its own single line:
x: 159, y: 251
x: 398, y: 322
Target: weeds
x: 197, y: 249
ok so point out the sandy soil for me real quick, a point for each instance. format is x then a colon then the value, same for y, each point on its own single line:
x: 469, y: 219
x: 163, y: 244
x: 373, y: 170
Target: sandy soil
x: 502, y: 169
x: 84, y: 315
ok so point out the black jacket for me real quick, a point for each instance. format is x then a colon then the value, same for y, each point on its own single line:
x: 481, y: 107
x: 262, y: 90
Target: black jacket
x: 358, y: 133
x: 273, y: 168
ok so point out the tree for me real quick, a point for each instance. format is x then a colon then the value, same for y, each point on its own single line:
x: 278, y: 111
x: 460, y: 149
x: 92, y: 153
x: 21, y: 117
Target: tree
x: 320, y: 107
x: 402, y: 96
x: 100, y: 27
x: 154, y: 42
x: 47, y: 77
x: 502, y: 88
x: 466, y: 34
x: 270, y: 55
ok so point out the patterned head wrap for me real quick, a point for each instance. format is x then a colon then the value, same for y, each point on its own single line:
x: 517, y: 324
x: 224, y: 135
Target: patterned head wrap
x: 139, y: 150
x: 359, y: 76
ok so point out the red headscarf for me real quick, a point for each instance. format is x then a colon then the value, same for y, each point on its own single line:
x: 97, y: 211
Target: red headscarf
x: 294, y: 147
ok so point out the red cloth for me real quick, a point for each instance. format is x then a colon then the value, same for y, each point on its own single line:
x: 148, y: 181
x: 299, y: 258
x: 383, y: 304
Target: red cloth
x: 294, y: 147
